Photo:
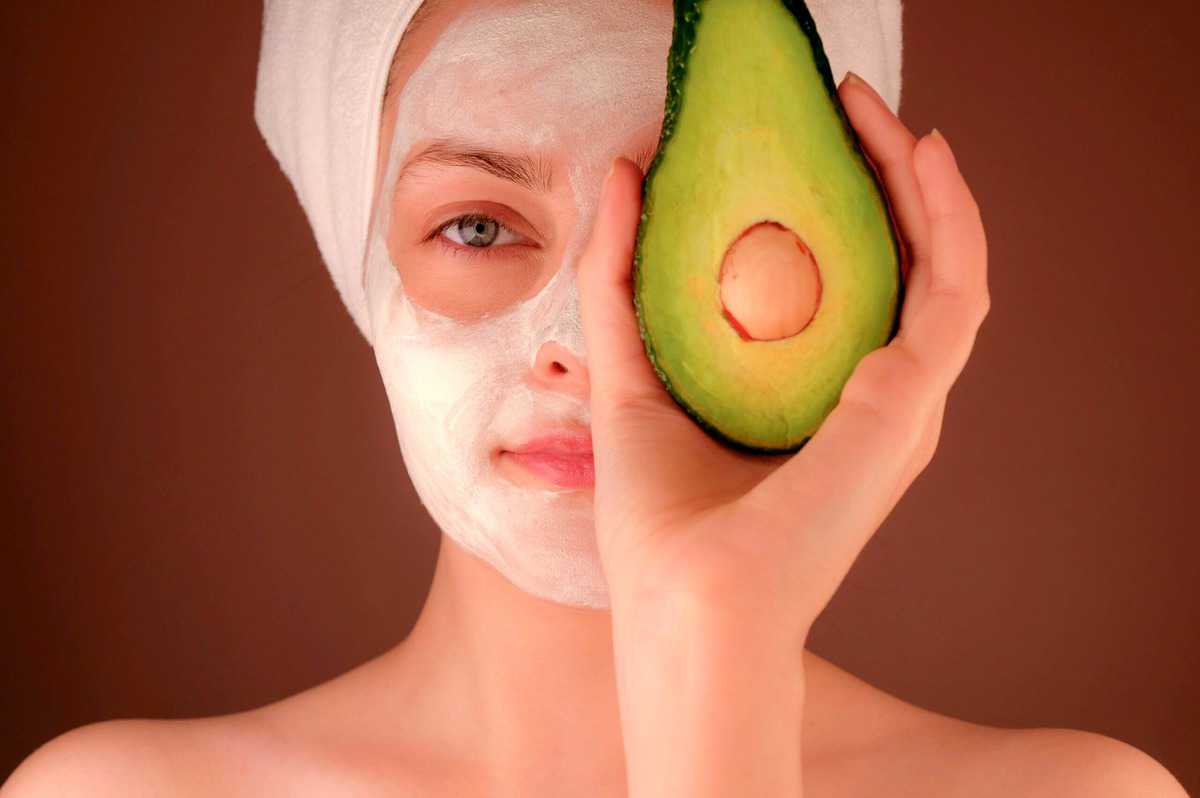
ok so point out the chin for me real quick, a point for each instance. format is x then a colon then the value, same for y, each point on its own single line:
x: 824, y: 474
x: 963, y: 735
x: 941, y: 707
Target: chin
x: 541, y: 539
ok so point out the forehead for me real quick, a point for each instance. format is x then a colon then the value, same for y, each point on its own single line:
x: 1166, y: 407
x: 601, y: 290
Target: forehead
x: 530, y: 75
x: 564, y: 52
x: 433, y: 17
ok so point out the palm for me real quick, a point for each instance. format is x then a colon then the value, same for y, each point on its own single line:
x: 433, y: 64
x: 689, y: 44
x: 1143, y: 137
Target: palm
x: 665, y: 469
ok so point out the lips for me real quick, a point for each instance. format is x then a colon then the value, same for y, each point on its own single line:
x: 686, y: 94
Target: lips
x: 558, y: 442
x: 562, y: 458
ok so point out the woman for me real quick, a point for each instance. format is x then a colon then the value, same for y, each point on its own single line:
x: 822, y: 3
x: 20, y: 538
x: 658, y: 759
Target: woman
x: 634, y: 629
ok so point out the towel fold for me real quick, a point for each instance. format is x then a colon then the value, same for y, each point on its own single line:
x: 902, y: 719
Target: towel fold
x: 323, y: 66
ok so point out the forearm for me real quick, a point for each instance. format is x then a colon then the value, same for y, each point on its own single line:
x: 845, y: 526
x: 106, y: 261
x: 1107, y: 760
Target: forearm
x: 708, y: 707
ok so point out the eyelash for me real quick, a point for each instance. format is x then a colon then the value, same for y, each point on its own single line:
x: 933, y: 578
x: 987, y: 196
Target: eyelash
x: 468, y: 252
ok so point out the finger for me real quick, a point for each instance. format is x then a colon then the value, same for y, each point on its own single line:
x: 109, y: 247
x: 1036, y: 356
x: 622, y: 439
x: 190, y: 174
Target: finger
x: 889, y: 146
x: 954, y: 300
x: 618, y: 369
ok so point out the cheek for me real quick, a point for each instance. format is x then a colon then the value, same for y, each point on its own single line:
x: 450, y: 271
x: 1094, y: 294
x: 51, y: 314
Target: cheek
x: 443, y: 393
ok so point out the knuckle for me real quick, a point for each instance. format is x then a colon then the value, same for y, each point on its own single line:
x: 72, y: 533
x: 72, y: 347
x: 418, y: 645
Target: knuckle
x: 967, y: 207
x: 885, y: 384
x: 971, y: 212
x: 984, y: 306
x: 929, y: 445
x: 925, y: 456
x: 947, y: 288
x: 966, y: 303
x: 927, y: 452
x: 926, y: 444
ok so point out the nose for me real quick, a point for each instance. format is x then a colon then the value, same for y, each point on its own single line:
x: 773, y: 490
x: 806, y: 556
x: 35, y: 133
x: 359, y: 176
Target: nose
x: 557, y: 368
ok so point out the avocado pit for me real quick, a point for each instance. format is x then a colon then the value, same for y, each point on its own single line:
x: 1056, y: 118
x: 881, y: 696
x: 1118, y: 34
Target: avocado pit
x: 770, y: 283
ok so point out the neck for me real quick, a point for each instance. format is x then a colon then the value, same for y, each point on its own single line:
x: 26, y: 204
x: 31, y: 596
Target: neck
x: 528, y: 680
x: 522, y: 691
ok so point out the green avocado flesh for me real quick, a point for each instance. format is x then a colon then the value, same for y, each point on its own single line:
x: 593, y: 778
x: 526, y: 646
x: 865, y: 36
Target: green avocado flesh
x: 754, y: 132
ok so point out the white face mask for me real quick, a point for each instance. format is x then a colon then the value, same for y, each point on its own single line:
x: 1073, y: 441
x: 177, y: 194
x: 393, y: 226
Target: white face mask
x: 576, y: 83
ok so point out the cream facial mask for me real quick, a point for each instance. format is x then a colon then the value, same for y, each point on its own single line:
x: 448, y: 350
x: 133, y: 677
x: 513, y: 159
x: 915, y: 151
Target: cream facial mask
x: 577, y: 83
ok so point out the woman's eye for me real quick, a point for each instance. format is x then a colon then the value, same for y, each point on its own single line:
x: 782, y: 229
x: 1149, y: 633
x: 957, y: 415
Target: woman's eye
x: 477, y: 231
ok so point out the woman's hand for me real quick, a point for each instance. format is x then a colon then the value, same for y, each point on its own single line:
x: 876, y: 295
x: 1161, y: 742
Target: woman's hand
x: 718, y: 562
x: 681, y: 516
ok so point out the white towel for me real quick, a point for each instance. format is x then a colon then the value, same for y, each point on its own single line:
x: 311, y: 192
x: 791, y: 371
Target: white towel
x: 323, y: 66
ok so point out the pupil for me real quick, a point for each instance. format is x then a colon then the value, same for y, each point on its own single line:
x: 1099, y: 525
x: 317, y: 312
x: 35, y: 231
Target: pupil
x: 482, y: 232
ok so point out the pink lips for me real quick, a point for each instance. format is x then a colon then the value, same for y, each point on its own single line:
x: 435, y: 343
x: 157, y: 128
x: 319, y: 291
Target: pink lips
x: 564, y: 459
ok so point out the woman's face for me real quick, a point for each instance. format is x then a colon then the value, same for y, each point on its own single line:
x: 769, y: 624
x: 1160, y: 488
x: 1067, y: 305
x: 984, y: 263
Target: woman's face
x: 492, y: 155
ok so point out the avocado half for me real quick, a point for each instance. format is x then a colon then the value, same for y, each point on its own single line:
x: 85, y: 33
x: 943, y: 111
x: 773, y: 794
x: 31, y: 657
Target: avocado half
x: 756, y: 146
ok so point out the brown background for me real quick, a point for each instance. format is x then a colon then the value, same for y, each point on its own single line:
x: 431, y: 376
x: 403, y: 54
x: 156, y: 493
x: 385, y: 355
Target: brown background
x: 205, y: 509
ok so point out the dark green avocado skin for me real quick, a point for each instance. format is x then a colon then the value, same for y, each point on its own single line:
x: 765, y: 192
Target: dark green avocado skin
x: 687, y: 18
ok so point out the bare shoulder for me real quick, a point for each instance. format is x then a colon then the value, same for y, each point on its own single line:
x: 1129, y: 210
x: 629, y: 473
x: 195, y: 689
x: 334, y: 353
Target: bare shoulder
x: 864, y: 741
x: 1068, y: 762
x: 322, y: 741
x: 116, y: 757
x: 984, y: 761
x: 141, y: 757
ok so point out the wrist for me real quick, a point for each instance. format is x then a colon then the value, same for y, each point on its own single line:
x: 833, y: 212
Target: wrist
x: 752, y: 616
x: 709, y: 706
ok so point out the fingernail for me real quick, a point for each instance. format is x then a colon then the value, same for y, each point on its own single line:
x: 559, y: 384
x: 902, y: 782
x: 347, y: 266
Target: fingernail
x: 854, y: 80
x: 937, y: 134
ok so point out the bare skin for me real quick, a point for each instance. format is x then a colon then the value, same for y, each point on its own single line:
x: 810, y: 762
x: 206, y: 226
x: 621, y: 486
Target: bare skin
x: 498, y: 693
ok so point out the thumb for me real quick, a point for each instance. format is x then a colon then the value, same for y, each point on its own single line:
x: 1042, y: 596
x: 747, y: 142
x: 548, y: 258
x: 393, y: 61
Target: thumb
x: 618, y: 370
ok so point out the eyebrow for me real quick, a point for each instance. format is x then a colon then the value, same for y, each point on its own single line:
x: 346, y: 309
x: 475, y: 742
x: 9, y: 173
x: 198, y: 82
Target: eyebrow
x: 534, y: 174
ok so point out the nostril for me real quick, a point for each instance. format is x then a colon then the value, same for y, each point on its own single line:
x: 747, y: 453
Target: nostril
x: 558, y: 367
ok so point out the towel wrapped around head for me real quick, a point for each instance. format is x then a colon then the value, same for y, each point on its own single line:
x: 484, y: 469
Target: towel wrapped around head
x: 323, y: 67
